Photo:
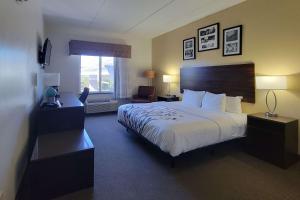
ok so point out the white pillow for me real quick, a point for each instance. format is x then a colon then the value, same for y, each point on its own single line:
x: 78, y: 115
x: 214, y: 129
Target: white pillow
x: 192, y: 98
x: 233, y: 104
x: 214, y: 102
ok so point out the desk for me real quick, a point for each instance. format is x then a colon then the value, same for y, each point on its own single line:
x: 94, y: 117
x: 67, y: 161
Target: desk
x: 61, y: 164
x: 63, y: 157
x: 67, y: 117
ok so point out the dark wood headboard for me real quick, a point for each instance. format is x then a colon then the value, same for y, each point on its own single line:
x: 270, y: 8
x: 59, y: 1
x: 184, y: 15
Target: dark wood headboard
x: 233, y: 80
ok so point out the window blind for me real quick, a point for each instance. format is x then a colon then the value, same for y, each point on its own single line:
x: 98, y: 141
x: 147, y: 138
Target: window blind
x: 77, y: 47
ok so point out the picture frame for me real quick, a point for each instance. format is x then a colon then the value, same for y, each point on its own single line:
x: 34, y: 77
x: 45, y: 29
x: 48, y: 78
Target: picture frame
x: 208, y: 37
x: 189, y: 48
x: 232, y: 41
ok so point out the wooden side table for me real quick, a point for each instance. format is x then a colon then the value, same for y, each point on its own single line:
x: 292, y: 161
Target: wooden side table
x: 273, y: 139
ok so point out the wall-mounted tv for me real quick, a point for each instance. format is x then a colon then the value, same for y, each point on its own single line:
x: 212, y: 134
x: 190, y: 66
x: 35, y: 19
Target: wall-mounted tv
x: 45, y: 53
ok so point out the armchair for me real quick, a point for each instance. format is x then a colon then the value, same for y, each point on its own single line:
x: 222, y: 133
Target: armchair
x: 146, y: 94
x: 84, y: 95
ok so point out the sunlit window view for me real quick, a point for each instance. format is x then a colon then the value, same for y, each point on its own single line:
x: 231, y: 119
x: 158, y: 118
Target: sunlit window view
x: 97, y: 73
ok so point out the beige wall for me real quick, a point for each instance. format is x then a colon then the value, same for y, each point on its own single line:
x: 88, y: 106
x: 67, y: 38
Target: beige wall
x: 21, y: 32
x: 69, y: 66
x: 271, y: 39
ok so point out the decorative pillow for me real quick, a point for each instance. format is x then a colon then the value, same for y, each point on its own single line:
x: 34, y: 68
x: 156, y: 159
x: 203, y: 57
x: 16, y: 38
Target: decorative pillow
x: 192, y: 98
x: 214, y: 102
x: 233, y: 104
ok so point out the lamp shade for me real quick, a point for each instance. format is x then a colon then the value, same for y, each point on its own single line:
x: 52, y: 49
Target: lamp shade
x: 52, y: 79
x: 149, y: 74
x: 271, y: 82
x: 167, y: 78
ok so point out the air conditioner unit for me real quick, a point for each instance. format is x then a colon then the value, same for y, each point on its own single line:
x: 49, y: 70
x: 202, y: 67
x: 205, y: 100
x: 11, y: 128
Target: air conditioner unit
x: 100, y: 106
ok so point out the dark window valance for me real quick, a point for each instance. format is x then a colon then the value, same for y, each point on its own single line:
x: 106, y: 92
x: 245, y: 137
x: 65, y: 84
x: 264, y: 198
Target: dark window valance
x: 77, y: 47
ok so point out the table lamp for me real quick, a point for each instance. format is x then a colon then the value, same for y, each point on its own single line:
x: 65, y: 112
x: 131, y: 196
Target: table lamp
x: 167, y: 79
x: 52, y: 80
x: 271, y: 83
x: 150, y: 74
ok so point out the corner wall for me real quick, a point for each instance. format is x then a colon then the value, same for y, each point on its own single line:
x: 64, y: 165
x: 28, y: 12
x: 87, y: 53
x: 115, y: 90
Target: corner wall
x: 270, y: 40
x: 69, y: 66
x: 21, y: 32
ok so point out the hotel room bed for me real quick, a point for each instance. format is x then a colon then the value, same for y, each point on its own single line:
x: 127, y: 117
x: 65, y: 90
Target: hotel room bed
x: 177, y: 128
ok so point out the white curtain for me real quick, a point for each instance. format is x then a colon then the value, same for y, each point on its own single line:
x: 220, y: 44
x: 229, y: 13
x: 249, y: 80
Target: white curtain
x: 121, y: 78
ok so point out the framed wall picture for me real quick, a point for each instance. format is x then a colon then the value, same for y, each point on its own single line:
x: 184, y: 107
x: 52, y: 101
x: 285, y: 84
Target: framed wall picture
x: 189, y: 48
x: 232, y: 41
x: 208, y: 37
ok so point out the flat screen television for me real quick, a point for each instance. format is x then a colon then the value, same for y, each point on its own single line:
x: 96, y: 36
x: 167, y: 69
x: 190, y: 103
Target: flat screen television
x: 45, y: 54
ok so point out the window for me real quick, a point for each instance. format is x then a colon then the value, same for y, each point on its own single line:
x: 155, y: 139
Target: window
x: 97, y: 73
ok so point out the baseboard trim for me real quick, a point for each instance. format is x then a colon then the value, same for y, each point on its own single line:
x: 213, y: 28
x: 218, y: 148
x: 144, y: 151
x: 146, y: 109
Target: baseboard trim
x: 23, y: 188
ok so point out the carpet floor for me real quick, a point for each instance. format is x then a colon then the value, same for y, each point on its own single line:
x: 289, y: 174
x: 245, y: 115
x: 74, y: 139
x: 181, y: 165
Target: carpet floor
x: 127, y: 168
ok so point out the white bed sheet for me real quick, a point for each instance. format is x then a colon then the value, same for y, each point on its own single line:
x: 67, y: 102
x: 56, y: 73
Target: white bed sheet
x: 176, y: 128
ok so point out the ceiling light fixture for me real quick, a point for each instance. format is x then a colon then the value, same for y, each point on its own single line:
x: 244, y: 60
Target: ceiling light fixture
x: 20, y: 1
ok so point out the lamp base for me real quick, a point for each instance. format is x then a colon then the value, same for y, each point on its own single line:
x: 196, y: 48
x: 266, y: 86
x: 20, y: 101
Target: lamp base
x: 269, y: 114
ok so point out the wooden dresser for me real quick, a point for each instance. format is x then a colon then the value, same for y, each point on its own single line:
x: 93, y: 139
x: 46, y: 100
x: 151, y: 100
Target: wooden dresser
x: 67, y: 117
x: 273, y: 139
x: 63, y: 156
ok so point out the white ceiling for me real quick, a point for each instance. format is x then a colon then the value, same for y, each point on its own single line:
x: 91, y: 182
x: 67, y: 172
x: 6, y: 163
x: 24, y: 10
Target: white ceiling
x: 148, y: 18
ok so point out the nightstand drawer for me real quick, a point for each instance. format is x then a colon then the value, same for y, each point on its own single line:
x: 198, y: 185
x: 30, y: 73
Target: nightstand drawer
x: 266, y: 125
x: 266, y: 145
x: 265, y: 139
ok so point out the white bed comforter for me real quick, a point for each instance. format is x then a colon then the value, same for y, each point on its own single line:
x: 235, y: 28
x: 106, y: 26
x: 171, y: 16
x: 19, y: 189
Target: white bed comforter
x: 176, y: 128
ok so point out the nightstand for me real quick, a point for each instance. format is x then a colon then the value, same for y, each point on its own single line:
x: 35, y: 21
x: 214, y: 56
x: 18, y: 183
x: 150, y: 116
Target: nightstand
x: 273, y: 139
x: 167, y: 98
